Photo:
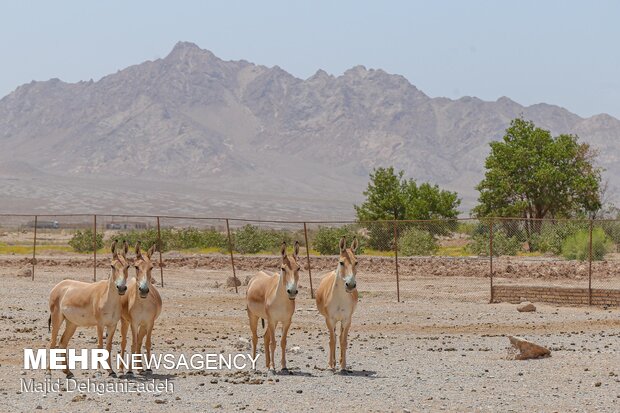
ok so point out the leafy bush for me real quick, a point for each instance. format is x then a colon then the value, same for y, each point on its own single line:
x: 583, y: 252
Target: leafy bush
x: 147, y: 237
x: 251, y: 239
x: 502, y: 244
x: 414, y: 241
x: 553, y: 234
x: 326, y: 239
x: 577, y: 246
x: 82, y: 241
x: 380, y: 236
x: 172, y: 239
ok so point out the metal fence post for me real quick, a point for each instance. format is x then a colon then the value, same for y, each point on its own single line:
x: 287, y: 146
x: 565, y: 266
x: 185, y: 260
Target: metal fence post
x: 590, y: 266
x: 159, y: 246
x: 94, y: 247
x: 396, y: 261
x: 491, y: 259
x: 308, y: 258
x: 232, y: 258
x: 34, y: 246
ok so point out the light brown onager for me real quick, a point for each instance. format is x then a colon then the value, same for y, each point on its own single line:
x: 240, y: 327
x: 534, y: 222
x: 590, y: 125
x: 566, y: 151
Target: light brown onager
x: 336, y: 299
x: 141, y: 305
x: 82, y: 304
x: 271, y: 297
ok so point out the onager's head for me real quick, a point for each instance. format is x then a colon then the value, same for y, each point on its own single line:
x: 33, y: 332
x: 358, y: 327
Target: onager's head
x: 143, y: 267
x: 347, y: 264
x: 290, y: 270
x: 120, y: 267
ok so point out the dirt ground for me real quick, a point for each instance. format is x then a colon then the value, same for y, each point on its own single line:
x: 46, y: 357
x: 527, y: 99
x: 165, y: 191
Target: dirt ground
x: 444, y: 348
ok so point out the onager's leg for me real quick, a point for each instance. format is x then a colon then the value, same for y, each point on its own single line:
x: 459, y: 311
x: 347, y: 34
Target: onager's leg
x: 253, y: 328
x: 108, y: 346
x: 272, y: 345
x: 64, y: 343
x: 134, y: 343
x: 267, y: 352
x: 285, y: 326
x: 344, y: 334
x: 124, y: 329
x: 332, y: 343
x: 149, y: 332
x: 141, y: 334
x: 57, y: 319
x: 99, y: 339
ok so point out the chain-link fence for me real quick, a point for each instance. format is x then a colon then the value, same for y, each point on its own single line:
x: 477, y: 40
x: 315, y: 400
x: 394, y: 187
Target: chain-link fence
x: 459, y: 259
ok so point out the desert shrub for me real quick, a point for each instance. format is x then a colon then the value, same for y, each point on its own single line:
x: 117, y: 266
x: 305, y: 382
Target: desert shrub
x: 197, y: 238
x: 326, y: 239
x: 82, y: 241
x: 251, y: 239
x: 174, y: 239
x: 147, y: 238
x: 502, y: 244
x: 414, y: 241
x: 577, y: 246
x: 553, y: 234
x: 380, y: 236
x: 612, y: 229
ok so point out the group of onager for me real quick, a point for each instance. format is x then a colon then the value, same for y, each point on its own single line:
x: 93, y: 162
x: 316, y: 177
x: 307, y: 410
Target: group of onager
x: 271, y: 297
x: 136, y: 302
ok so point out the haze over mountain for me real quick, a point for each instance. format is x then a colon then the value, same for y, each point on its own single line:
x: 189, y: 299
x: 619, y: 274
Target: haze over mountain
x: 193, y: 134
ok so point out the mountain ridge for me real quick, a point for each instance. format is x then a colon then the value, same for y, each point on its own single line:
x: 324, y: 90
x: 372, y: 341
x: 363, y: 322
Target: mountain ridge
x: 247, y: 128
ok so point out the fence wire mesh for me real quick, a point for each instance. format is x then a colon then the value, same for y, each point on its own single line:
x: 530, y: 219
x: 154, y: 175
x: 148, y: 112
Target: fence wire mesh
x: 398, y: 260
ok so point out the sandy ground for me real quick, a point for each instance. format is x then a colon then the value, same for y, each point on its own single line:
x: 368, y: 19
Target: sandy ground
x: 443, y: 349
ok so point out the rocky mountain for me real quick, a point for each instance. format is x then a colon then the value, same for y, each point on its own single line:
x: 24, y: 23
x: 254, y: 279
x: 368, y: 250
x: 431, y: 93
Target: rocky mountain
x: 242, y: 139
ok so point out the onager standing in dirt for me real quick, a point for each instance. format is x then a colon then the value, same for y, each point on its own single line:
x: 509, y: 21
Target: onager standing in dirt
x: 336, y: 299
x: 141, y: 306
x: 272, y: 298
x: 82, y: 304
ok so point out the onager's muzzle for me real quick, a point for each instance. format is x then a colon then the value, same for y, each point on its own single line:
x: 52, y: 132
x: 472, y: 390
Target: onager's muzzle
x: 350, y: 284
x: 121, y: 288
x: 292, y: 291
x: 143, y: 290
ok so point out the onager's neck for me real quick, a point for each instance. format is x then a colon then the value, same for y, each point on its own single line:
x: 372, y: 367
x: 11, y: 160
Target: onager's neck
x: 112, y: 295
x: 281, y: 289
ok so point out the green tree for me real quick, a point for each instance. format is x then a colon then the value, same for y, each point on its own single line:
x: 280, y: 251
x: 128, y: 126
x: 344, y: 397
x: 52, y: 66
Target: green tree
x: 391, y: 196
x: 531, y: 174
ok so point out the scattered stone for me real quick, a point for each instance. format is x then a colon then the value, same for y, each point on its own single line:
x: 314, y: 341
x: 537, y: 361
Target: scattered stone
x: 299, y: 391
x: 233, y: 282
x: 79, y: 398
x: 597, y: 384
x: 25, y: 272
x: 526, y: 307
x: 247, y: 279
x: 160, y: 401
x: 527, y: 349
x: 295, y: 350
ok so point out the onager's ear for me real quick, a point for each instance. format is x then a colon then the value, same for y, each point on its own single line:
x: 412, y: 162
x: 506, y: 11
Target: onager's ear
x: 283, y: 250
x: 113, y: 248
x: 125, y: 248
x: 296, y: 252
x: 343, y: 244
x: 138, y: 250
x: 354, y: 245
x: 150, y: 251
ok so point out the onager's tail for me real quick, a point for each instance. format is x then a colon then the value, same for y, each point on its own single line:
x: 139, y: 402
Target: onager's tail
x: 49, y: 323
x: 262, y: 321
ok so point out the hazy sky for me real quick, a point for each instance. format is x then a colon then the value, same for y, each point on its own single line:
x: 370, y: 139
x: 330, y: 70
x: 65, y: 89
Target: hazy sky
x: 561, y: 52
